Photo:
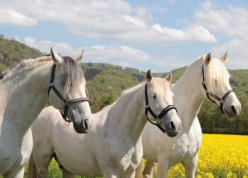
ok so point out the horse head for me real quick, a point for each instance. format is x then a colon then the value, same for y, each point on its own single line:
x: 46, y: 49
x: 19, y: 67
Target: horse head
x: 67, y: 91
x: 216, y: 86
x: 160, y: 110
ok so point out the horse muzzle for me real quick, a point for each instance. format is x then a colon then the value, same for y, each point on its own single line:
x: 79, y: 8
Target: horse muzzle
x: 172, y: 126
x: 81, y: 122
x: 233, y: 110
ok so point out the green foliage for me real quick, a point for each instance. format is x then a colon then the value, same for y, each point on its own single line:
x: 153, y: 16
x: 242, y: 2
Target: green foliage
x: 106, y: 86
x: 106, y: 82
x: 177, y: 73
x: 12, y: 52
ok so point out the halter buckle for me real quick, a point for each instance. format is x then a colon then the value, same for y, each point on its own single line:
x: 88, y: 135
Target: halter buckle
x: 67, y: 102
x: 51, y: 84
x: 158, y: 120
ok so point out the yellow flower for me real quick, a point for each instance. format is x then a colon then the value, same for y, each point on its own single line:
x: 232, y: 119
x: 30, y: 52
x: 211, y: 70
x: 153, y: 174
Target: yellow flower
x: 219, y: 156
x: 209, y: 175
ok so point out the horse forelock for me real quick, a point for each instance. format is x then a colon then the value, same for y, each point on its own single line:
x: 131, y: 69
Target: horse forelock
x: 217, y: 76
x: 163, y: 88
x: 73, y: 74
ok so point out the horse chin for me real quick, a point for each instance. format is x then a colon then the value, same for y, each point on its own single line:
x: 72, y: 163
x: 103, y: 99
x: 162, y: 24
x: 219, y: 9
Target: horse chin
x: 231, y: 114
x: 172, y: 134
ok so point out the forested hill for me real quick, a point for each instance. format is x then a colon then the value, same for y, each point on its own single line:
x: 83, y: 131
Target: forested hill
x: 12, y: 52
x: 105, y: 82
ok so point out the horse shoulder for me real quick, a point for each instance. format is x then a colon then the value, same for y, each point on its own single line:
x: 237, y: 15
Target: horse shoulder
x: 45, y: 124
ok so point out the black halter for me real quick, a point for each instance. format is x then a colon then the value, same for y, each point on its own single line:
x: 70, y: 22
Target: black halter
x: 209, y: 94
x: 67, y: 102
x: 162, y: 113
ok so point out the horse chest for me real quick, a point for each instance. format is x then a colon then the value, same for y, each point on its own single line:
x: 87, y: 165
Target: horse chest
x: 127, y: 158
x: 186, y: 147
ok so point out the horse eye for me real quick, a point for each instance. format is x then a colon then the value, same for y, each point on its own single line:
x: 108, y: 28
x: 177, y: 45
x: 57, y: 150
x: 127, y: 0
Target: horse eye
x: 154, y: 96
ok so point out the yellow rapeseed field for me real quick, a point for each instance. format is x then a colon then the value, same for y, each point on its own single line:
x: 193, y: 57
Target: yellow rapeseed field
x: 220, y: 156
x: 224, y: 156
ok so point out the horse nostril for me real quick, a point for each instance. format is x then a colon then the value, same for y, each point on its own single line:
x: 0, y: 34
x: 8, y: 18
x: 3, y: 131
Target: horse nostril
x: 85, y: 124
x: 172, y: 125
x: 234, y: 109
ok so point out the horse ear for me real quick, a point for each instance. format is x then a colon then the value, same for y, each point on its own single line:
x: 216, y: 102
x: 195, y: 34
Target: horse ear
x: 80, y: 56
x: 208, y: 58
x: 223, y: 58
x: 56, y: 58
x: 149, y: 76
x: 168, y: 77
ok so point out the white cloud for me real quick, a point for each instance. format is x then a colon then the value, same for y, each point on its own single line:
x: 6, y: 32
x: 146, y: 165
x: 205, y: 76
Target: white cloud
x: 44, y: 46
x: 118, y: 55
x: 17, y: 38
x: 229, y: 20
x: 112, y: 53
x: 106, y: 19
x: 172, y: 62
x: 159, y: 9
x: 238, y: 54
x: 232, y: 22
x: 11, y: 17
x: 96, y: 53
x: 207, y: 5
x: 122, y: 63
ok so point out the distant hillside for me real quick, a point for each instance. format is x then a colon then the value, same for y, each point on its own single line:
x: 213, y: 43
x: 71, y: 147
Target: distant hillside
x: 239, y: 81
x: 177, y: 73
x: 12, y: 52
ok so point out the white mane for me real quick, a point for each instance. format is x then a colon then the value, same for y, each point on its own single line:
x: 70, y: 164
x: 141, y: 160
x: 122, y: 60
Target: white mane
x: 23, y: 64
x: 130, y: 90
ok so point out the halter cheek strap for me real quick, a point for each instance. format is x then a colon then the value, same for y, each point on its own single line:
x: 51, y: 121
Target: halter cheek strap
x: 66, y: 102
x: 209, y: 94
x: 156, y: 117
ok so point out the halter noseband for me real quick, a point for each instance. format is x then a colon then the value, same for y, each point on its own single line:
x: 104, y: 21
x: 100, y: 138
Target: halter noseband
x: 208, y: 94
x: 67, y: 102
x: 157, y: 117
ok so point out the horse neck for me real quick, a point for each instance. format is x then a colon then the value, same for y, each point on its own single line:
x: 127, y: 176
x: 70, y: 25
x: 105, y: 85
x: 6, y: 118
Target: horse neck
x: 127, y: 116
x: 25, y: 96
x: 188, y: 94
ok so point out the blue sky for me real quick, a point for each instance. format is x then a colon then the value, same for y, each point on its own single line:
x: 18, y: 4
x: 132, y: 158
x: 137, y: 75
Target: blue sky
x: 160, y: 35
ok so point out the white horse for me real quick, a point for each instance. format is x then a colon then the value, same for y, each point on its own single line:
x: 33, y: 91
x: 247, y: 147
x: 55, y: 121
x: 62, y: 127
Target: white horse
x: 113, y: 145
x: 208, y: 78
x: 23, y: 95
